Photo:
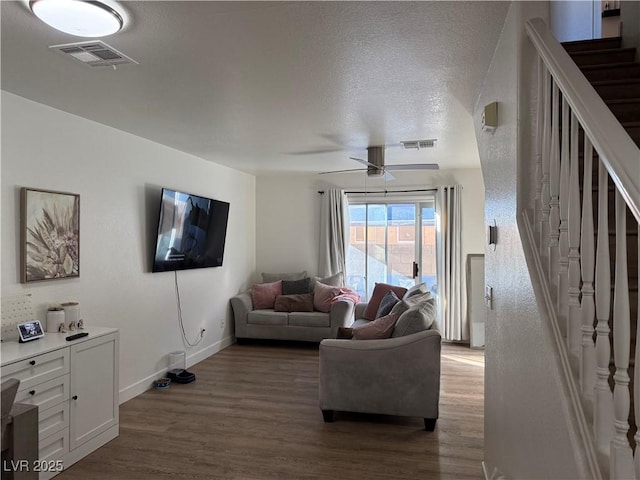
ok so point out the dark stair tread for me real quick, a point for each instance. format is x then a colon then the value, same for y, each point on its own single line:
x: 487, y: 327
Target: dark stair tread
x: 618, y: 101
x: 604, y: 50
x: 606, y: 66
x: 614, y: 82
x: 601, y: 57
x: 598, y: 43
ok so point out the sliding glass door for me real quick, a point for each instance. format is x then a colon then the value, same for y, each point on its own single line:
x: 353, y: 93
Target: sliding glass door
x: 391, y: 242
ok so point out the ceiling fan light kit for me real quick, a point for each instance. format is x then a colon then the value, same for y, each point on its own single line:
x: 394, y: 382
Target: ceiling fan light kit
x: 83, y: 18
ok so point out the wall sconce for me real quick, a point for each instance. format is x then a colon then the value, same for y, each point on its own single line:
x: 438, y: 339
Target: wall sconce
x: 492, y: 235
x: 490, y: 117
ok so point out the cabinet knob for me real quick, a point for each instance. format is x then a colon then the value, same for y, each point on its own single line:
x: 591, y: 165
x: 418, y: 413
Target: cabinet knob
x: 75, y: 397
x: 32, y: 362
x: 32, y: 392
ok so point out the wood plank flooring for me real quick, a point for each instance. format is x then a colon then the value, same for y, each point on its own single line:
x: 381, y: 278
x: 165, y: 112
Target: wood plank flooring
x: 253, y: 413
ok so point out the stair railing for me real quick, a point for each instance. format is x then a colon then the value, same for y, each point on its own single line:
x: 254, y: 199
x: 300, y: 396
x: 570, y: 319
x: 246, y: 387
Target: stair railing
x: 575, y: 131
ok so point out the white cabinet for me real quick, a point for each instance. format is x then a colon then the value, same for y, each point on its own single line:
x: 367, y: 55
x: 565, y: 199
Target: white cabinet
x: 75, y: 386
x: 94, y: 390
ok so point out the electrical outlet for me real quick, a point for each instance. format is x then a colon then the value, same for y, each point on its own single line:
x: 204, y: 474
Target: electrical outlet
x: 222, y: 323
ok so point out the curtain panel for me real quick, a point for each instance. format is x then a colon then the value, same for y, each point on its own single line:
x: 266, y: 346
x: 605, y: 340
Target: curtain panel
x: 453, y: 318
x: 333, y: 232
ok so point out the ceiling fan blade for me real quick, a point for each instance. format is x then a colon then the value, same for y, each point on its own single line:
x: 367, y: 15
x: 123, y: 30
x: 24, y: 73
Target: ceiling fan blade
x: 364, y: 162
x: 388, y: 177
x: 413, y: 166
x: 343, y: 171
x: 318, y: 151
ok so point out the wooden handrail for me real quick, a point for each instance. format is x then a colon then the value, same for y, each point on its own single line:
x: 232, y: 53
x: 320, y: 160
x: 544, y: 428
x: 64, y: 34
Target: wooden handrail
x: 619, y: 154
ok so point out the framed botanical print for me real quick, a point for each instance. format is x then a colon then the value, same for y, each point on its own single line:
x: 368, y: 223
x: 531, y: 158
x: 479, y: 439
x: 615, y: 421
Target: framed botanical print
x: 50, y: 244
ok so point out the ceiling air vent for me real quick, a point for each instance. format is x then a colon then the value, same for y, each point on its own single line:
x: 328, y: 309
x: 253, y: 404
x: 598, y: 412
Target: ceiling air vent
x: 418, y: 144
x: 94, y: 53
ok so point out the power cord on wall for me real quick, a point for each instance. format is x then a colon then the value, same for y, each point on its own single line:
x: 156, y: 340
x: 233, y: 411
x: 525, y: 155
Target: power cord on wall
x: 184, y: 334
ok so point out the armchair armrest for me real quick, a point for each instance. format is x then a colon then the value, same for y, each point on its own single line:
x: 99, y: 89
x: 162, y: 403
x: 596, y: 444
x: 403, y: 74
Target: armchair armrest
x: 340, y: 315
x: 241, y: 305
x: 395, y: 376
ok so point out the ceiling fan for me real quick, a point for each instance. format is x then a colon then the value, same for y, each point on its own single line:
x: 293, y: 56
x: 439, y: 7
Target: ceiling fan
x: 377, y: 168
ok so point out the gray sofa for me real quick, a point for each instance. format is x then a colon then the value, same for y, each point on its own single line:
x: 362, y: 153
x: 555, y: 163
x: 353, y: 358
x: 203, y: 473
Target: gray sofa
x: 393, y: 376
x: 304, y: 326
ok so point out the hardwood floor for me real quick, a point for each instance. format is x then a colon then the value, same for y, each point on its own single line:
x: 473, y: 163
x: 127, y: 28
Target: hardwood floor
x: 253, y: 413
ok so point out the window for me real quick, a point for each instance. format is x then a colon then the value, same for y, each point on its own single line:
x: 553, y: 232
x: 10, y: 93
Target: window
x: 390, y: 241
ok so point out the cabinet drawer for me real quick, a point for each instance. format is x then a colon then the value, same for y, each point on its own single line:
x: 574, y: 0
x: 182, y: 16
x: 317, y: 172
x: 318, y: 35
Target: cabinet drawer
x: 54, y: 446
x: 46, y: 395
x: 38, y: 369
x: 53, y: 419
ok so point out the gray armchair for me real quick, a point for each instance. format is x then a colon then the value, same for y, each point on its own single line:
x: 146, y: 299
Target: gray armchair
x: 393, y: 376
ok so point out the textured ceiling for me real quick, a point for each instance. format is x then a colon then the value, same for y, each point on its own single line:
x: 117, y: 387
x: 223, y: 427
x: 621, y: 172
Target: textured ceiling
x: 259, y: 85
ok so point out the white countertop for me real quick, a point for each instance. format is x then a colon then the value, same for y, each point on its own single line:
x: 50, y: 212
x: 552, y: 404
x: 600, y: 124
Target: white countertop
x: 12, y: 351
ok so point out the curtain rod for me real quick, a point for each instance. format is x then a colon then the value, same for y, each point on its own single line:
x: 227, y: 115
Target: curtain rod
x: 321, y: 192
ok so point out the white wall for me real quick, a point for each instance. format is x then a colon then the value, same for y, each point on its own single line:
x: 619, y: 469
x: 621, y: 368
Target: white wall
x: 118, y: 177
x: 528, y: 431
x: 575, y: 19
x: 288, y: 208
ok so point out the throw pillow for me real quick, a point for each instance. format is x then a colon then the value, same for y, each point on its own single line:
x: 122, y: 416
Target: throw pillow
x: 344, y: 333
x: 416, y: 290
x: 264, y: 295
x: 293, y: 287
x: 336, y: 280
x: 404, y: 305
x: 274, y: 277
x: 387, y: 303
x: 379, y: 328
x: 294, y: 303
x: 379, y: 291
x: 418, y: 318
x: 322, y: 296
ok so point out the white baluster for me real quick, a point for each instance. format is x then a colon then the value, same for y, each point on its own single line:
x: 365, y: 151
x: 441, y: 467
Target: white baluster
x: 574, y: 325
x: 554, y: 187
x: 587, y: 264
x: 546, y: 149
x: 563, y: 262
x: 538, y: 142
x: 603, y: 402
x: 622, y: 465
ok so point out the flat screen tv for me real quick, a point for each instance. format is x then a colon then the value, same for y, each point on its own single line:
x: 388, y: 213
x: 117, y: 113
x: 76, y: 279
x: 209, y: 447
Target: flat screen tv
x: 191, y: 232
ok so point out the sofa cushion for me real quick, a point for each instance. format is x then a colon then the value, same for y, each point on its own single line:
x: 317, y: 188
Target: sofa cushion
x: 322, y: 296
x: 387, y: 303
x: 310, y: 319
x: 416, y: 290
x: 263, y: 295
x: 274, y: 277
x: 294, y: 303
x: 405, y: 304
x: 379, y: 291
x: 416, y: 319
x: 267, y: 317
x: 379, y: 328
x: 336, y: 280
x: 293, y: 287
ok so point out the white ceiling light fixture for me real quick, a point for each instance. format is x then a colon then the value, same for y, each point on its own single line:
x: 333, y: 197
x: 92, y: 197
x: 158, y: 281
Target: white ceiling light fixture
x: 84, y: 18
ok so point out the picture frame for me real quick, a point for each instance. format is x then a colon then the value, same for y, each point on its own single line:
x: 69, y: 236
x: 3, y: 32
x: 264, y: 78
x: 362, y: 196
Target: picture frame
x: 50, y: 235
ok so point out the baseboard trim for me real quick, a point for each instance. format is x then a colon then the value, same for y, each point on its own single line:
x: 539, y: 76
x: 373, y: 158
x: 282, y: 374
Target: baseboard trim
x: 146, y: 383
